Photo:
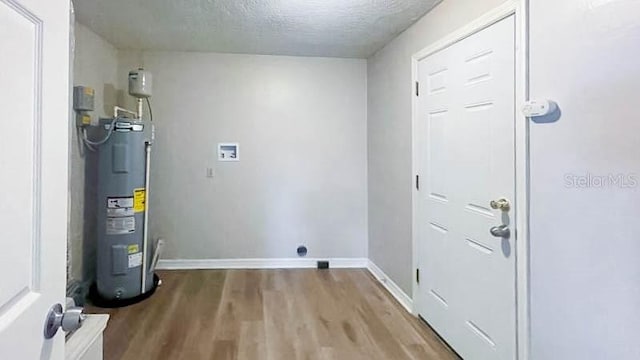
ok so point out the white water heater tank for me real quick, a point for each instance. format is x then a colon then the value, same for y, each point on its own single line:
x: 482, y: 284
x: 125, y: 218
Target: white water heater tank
x: 140, y: 83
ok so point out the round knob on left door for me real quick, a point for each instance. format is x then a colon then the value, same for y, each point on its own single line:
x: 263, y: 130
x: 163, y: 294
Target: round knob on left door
x: 69, y: 320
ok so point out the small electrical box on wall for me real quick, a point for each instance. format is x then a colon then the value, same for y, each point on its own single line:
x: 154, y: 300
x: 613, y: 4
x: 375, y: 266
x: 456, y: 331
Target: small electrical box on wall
x: 83, y: 104
x: 83, y: 98
x: 228, y: 152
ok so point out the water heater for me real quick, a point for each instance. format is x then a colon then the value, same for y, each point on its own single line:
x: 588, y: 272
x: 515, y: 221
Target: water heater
x: 125, y: 256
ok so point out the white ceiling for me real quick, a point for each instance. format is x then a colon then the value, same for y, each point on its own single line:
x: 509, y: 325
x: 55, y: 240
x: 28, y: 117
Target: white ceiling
x: 337, y: 28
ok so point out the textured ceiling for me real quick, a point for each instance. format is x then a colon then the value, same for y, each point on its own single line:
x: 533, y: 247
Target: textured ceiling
x: 339, y: 28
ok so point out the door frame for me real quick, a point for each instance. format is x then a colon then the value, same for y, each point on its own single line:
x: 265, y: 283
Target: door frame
x: 518, y: 8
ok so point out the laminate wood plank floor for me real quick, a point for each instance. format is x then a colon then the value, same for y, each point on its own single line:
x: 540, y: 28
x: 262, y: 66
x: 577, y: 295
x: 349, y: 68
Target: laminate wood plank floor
x: 342, y: 314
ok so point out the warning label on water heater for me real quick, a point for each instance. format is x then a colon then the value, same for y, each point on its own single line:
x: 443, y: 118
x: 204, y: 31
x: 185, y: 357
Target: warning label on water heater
x: 120, y: 206
x: 139, y: 197
x: 135, y: 260
x: 121, y: 225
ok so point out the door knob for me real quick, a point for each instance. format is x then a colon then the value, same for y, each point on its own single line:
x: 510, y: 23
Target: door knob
x: 500, y: 231
x: 69, y: 320
x: 500, y: 204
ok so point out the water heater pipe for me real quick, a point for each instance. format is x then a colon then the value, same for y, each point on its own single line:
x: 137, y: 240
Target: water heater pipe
x: 145, y: 231
x: 118, y: 109
x: 156, y: 255
x: 140, y: 109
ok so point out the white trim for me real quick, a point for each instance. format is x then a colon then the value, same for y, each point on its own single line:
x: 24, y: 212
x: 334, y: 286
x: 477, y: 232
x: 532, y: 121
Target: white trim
x: 523, y: 316
x: 503, y: 11
x: 86, y: 337
x: 520, y: 9
x: 286, y: 263
x: 391, y: 286
x: 291, y: 263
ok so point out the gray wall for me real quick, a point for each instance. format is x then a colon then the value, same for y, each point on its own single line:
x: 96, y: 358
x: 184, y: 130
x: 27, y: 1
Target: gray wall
x: 95, y: 65
x: 585, y: 238
x: 302, y: 178
x: 389, y: 135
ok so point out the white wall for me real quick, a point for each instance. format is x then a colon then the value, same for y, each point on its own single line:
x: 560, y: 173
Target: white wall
x: 389, y: 134
x: 585, y: 242
x: 95, y: 65
x: 301, y: 125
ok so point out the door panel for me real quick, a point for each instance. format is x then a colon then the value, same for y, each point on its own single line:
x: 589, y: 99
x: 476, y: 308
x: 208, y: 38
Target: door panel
x: 18, y: 215
x: 33, y: 182
x: 466, y: 154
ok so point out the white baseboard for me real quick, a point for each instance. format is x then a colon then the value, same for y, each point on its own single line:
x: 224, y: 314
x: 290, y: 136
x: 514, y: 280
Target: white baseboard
x: 286, y: 263
x: 291, y: 263
x: 395, y: 291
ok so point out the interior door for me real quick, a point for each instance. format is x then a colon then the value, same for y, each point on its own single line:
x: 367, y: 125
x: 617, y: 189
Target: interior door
x: 466, y: 159
x: 34, y: 75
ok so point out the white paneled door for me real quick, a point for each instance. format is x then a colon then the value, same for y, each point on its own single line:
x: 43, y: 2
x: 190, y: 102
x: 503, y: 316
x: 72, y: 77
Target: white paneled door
x: 34, y: 128
x: 465, y: 212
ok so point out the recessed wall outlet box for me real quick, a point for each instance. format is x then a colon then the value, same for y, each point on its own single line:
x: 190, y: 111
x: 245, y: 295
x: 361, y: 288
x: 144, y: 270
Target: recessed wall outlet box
x: 535, y: 108
x: 228, y: 152
x: 83, y: 98
x: 323, y: 264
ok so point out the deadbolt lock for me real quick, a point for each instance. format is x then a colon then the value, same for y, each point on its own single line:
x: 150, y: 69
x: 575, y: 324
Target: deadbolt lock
x: 500, y: 204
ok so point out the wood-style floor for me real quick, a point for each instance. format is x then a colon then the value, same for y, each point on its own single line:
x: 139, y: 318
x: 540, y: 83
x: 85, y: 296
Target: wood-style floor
x: 268, y: 314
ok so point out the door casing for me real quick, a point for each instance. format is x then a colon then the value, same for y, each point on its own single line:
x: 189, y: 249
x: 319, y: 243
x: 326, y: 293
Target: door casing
x: 518, y: 8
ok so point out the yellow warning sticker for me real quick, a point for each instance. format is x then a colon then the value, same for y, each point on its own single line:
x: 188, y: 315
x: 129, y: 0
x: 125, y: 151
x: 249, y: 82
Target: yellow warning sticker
x: 139, y: 197
x: 88, y: 91
x: 133, y: 248
x: 86, y: 120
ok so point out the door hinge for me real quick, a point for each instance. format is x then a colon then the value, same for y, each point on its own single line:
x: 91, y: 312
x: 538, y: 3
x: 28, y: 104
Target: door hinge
x: 418, y: 182
x: 417, y: 88
x: 418, y: 275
